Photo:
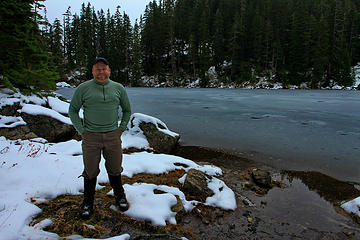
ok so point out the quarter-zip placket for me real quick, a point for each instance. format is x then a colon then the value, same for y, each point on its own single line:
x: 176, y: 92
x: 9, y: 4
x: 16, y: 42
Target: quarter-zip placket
x: 103, y: 91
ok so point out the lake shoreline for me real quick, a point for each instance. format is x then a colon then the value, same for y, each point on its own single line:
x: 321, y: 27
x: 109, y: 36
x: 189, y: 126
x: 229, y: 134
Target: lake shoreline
x: 323, y: 190
x: 314, y: 130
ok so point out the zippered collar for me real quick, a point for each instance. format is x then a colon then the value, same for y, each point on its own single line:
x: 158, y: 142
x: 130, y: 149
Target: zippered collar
x: 102, y: 83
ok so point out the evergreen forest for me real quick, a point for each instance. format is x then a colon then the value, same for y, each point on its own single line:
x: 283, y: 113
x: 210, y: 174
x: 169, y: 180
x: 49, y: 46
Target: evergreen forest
x: 288, y: 41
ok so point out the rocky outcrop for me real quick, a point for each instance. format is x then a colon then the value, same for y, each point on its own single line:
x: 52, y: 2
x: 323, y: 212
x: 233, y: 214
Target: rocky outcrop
x: 10, y: 110
x: 20, y: 132
x: 49, y: 128
x: 196, y: 186
x: 14, y: 133
x: 159, y: 141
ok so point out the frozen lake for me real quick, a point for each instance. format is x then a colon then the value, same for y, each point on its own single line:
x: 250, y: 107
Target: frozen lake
x: 287, y: 129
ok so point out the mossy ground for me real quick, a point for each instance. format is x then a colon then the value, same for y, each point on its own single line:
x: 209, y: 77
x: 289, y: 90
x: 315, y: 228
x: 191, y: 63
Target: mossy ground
x: 106, y: 222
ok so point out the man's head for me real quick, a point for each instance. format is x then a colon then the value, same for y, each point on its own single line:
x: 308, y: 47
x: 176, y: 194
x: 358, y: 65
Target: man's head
x: 101, y: 70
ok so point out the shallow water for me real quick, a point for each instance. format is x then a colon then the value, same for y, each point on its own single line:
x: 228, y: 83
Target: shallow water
x: 305, y: 207
x: 287, y: 129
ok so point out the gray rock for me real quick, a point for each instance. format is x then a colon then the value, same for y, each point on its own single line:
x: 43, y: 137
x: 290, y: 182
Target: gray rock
x: 196, y: 186
x: 159, y: 141
x: 261, y: 178
x: 49, y: 128
x: 20, y: 132
x: 10, y: 110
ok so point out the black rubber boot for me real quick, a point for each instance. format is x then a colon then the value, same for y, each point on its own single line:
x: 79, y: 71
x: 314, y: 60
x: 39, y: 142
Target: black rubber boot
x: 120, y: 197
x: 87, y: 207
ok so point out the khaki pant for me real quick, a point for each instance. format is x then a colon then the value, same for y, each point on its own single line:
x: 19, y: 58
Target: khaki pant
x: 107, y: 143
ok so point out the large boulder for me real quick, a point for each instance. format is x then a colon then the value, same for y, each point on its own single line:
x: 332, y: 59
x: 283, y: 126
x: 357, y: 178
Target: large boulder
x: 49, y: 128
x: 159, y: 137
x: 158, y: 140
x: 196, y: 185
x: 20, y: 132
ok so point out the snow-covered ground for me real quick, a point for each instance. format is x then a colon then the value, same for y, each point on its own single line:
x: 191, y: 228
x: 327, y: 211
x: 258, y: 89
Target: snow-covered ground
x: 37, y: 171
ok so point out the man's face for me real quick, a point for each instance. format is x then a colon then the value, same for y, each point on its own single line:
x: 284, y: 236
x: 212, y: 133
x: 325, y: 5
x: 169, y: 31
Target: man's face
x: 101, y: 72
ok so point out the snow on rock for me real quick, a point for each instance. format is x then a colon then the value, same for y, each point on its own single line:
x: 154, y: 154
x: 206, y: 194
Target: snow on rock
x: 357, y: 75
x: 9, y: 97
x: 8, y: 101
x: 144, y: 202
x: 213, y: 76
x: 137, y: 118
x: 40, y: 110
x: 61, y: 106
x: 352, y: 206
x: 337, y: 87
x: 194, y: 84
x: 162, y: 163
x: 11, y: 122
x: 33, y: 99
x: 278, y: 86
x: 134, y: 136
x: 58, y: 105
x: 63, y: 85
x: 224, y: 197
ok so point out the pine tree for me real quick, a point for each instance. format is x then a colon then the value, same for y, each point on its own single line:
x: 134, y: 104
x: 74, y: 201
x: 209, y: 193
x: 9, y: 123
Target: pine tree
x: 298, y: 42
x: 204, y: 44
x: 320, y: 59
x: 127, y: 40
x: 339, y: 70
x: 56, y: 47
x: 240, y: 68
x: 172, y: 51
x: 101, y: 34
x: 24, y: 63
x: 135, y: 66
x: 219, y: 39
x: 111, y: 39
x: 69, y: 48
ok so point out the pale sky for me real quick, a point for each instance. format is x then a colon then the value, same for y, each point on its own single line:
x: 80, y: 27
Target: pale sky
x: 133, y: 8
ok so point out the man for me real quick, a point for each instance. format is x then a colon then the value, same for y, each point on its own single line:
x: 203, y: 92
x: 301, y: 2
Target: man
x: 100, y: 99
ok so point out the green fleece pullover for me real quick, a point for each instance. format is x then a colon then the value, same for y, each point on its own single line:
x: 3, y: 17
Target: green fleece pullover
x: 100, y: 102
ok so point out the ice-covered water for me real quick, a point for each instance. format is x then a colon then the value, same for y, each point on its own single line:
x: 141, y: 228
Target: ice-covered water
x: 288, y: 129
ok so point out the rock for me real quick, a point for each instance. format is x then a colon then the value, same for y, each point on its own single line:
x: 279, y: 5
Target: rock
x: 261, y: 178
x: 49, y: 128
x: 20, y: 132
x: 179, y: 209
x: 196, y: 186
x: 10, y: 110
x: 159, y: 141
x: 248, y: 184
